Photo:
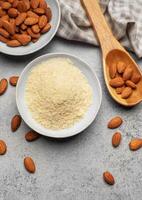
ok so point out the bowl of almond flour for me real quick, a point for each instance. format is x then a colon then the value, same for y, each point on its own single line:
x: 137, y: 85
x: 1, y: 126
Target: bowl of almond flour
x: 58, y: 95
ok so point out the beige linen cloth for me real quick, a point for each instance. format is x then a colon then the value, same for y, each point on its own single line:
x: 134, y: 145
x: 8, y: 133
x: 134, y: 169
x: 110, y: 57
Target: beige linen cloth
x: 124, y: 17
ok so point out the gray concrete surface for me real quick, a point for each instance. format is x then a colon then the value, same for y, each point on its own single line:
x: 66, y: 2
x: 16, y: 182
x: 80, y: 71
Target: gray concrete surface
x: 70, y: 169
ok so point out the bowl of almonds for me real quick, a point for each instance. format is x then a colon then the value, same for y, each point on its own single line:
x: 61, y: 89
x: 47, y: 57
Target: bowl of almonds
x: 27, y: 25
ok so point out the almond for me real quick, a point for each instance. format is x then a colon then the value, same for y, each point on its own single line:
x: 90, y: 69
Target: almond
x: 8, y: 27
x: 15, y: 122
x: 15, y: 3
x: 35, y: 28
x: 119, y: 90
x: 43, y: 4
x: 29, y: 164
x: 1, y: 23
x: 112, y: 70
x: 48, y: 14
x: 46, y: 28
x: 13, y: 43
x: 24, y: 39
x: 27, y: 3
x: 31, y: 21
x: 10, y: 1
x: 42, y: 21
x: 5, y: 17
x: 135, y: 144
x: 115, y: 122
x: 136, y: 77
x: 34, y: 4
x: 20, y: 19
x: 2, y: 12
x: 22, y: 7
x: 3, y: 39
x: 3, y: 147
x: 39, y: 11
x: 13, y: 80
x: 6, y: 5
x: 121, y: 66
x: 116, y: 82
x: 108, y: 178
x: 131, y: 84
x: 13, y: 12
x: 116, y: 139
x: 127, y: 73
x: 126, y: 92
x: 4, y: 33
x: 3, y: 86
x: 32, y: 14
x: 32, y: 136
x: 33, y: 35
x: 23, y: 27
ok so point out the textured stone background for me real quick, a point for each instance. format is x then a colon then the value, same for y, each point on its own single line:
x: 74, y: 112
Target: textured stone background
x: 70, y: 169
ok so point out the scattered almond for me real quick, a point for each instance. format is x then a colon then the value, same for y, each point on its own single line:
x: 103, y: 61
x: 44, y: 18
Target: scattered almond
x: 3, y: 86
x: 108, y: 178
x: 126, y: 93
x: 29, y: 164
x: 135, y: 144
x: 3, y: 147
x: 13, y: 80
x: 32, y: 136
x: 116, y: 82
x: 116, y: 139
x: 115, y: 122
x: 15, y: 122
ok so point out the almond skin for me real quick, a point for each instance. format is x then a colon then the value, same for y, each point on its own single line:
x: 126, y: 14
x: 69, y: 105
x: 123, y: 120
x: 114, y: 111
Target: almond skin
x: 135, y: 144
x: 3, y: 147
x: 126, y: 93
x: 121, y: 66
x: 29, y: 164
x: 3, y: 86
x: 136, y: 77
x: 32, y: 136
x: 127, y: 73
x: 108, y: 178
x: 115, y: 122
x: 131, y: 84
x: 116, y: 139
x: 20, y: 19
x: 13, y: 80
x: 112, y: 70
x: 15, y: 122
x: 116, y: 82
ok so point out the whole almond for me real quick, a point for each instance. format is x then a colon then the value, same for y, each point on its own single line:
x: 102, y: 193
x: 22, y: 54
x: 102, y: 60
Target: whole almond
x: 13, y: 80
x: 131, y: 84
x: 34, y: 4
x: 4, y: 33
x: 2, y: 12
x: 5, y: 17
x: 13, y: 43
x: 15, y: 122
x: 121, y: 66
x: 42, y: 21
x: 48, y: 13
x: 33, y: 35
x: 116, y: 82
x: 31, y: 21
x: 32, y: 14
x: 116, y: 139
x: 3, y: 86
x: 22, y: 7
x: 120, y: 89
x: 3, y: 147
x: 8, y: 27
x: 112, y: 70
x: 35, y: 28
x: 126, y: 93
x: 43, y: 4
x: 29, y: 164
x: 39, y: 11
x: 20, y: 19
x: 108, y: 178
x: 3, y: 39
x: 115, y: 122
x: 6, y: 5
x: 27, y: 3
x: 135, y: 144
x: 46, y: 28
x: 15, y: 3
x: 10, y: 1
x: 24, y: 39
x: 136, y: 77
x: 127, y: 73
x: 13, y: 12
x: 32, y: 136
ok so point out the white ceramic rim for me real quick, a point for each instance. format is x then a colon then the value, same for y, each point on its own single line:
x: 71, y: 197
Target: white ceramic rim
x: 55, y: 135
x: 40, y: 47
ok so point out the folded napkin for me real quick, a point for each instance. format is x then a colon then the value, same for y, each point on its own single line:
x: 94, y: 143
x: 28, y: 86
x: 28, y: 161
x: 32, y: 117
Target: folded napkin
x: 124, y: 17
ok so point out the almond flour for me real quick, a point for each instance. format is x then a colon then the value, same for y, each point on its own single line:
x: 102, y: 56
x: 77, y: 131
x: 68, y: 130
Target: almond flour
x: 57, y: 93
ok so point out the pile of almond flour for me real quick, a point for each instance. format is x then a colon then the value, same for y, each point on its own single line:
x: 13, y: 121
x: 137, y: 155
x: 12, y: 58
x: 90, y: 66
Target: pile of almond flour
x: 57, y: 93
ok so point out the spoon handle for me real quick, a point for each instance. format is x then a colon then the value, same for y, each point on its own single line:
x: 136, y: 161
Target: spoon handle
x: 105, y: 36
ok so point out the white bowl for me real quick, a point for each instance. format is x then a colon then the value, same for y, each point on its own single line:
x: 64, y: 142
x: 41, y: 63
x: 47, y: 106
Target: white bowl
x: 79, y: 126
x: 44, y: 39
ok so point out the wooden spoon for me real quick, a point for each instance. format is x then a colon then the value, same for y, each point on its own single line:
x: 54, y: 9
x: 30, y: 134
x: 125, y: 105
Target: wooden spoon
x: 112, y: 52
